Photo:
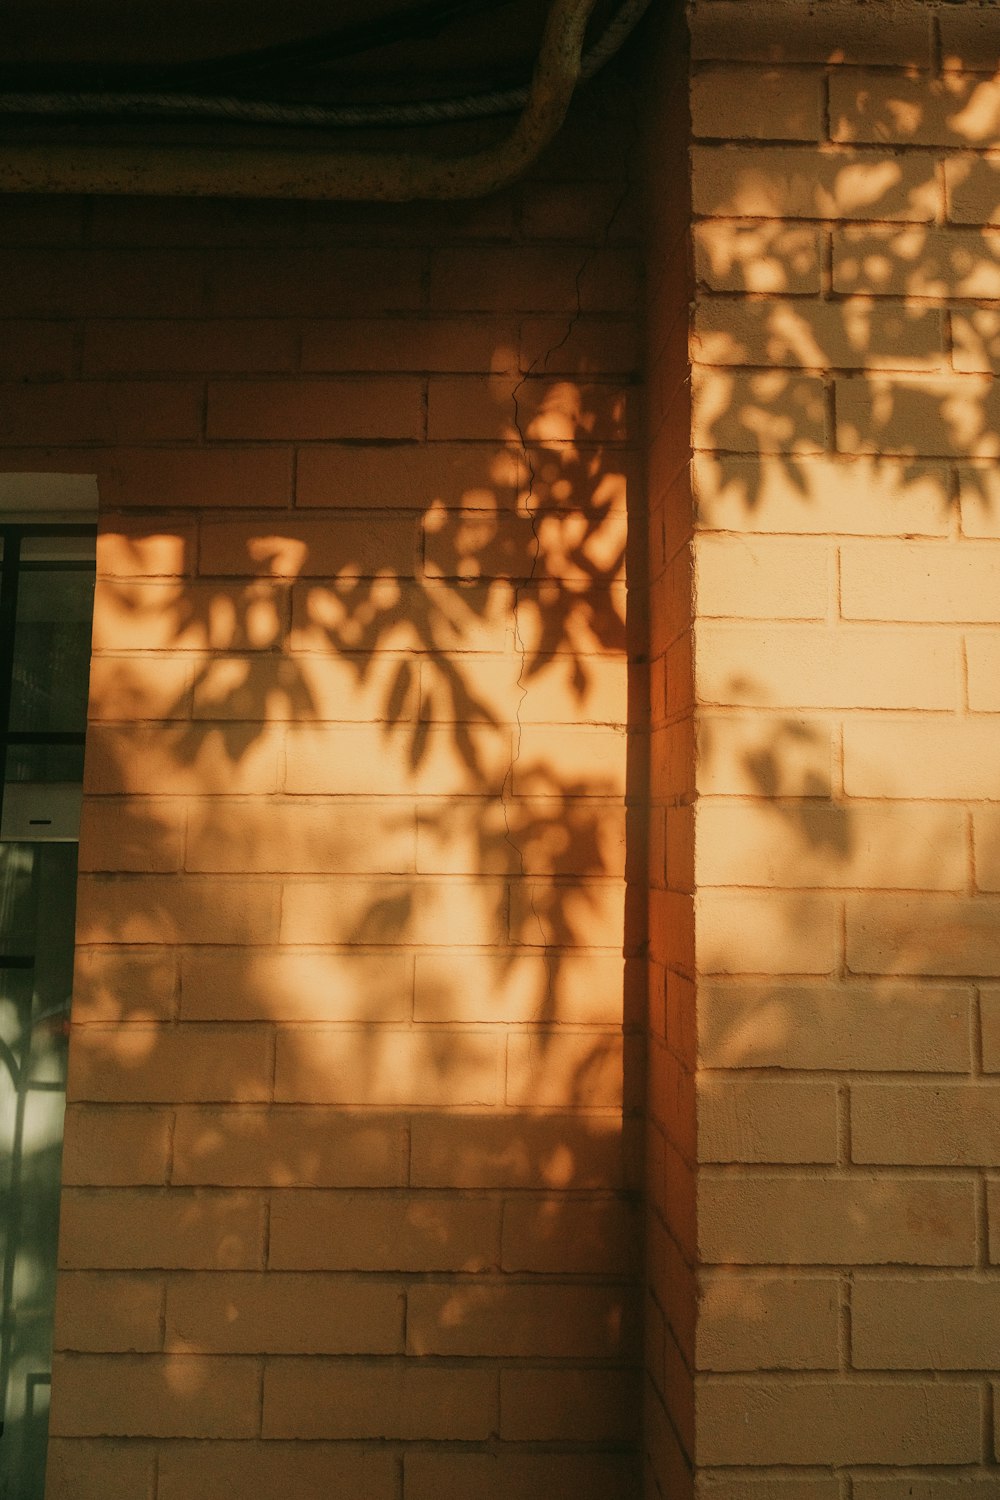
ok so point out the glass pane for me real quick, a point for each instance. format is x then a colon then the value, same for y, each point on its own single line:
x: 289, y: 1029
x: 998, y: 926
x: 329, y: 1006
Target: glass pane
x: 37, y: 904
x: 52, y: 650
x: 45, y: 763
x: 17, y: 900
x: 37, y: 894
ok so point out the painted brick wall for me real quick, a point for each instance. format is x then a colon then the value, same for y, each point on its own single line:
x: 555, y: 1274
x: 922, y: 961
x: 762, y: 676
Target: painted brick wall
x: 349, y: 1205
x: 845, y: 560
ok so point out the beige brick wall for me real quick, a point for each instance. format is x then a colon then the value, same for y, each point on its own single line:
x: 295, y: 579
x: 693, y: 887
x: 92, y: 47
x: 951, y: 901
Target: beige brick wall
x: 845, y: 950
x: 352, y: 1144
x: 353, y: 1139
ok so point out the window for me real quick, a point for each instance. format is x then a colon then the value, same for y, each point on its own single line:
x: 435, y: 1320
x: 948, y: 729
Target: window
x: 46, y: 600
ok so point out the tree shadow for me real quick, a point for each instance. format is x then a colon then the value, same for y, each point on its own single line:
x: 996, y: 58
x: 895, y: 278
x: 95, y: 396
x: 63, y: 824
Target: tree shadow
x: 821, y: 1042
x: 352, y: 948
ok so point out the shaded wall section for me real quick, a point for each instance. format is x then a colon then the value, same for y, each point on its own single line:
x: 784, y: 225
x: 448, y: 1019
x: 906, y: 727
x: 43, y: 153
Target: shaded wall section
x: 670, y: 1157
x: 354, y: 1093
x: 845, y: 652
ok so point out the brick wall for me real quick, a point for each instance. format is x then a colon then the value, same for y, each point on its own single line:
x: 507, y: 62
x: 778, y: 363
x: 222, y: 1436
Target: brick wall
x: 352, y: 1139
x: 349, y: 1200
x: 845, y: 626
